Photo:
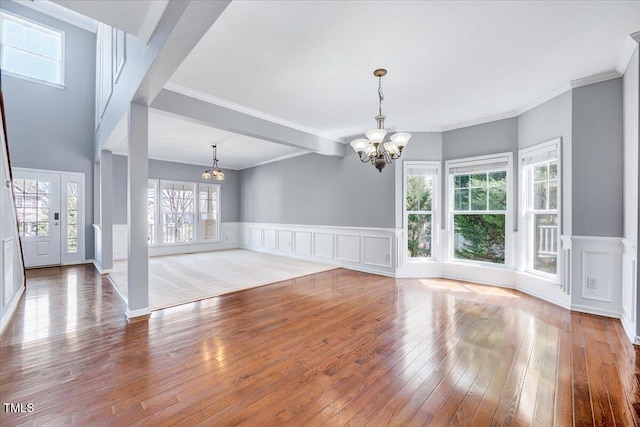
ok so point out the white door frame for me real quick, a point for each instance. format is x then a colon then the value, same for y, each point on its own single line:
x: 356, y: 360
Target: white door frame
x: 66, y: 178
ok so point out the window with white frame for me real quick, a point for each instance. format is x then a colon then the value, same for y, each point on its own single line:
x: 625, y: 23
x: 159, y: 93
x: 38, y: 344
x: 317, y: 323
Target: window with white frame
x: 540, y: 178
x: 479, y: 208
x: 178, y: 211
x: 208, y: 196
x: 152, y: 229
x: 30, y: 50
x: 420, y: 191
x: 172, y: 217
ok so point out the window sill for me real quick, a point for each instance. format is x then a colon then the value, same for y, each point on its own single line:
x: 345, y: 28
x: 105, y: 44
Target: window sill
x: 32, y: 79
x: 428, y: 260
x: 479, y: 264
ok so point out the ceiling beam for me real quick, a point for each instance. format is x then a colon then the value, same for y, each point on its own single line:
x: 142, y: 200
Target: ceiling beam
x: 244, y: 124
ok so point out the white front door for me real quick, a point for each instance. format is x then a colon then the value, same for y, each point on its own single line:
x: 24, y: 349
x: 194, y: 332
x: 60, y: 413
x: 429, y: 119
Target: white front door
x: 37, y: 196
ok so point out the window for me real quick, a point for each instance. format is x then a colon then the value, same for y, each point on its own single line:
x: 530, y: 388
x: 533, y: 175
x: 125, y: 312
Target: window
x: 72, y: 217
x: 182, y: 212
x: 479, y: 208
x: 420, y: 184
x: 31, y: 51
x: 540, y: 207
x: 209, y: 194
x: 33, y: 213
x: 178, y: 212
x: 152, y: 191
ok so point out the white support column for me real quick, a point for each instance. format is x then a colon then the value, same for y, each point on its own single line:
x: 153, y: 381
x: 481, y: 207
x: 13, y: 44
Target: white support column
x: 106, y: 211
x: 138, y: 251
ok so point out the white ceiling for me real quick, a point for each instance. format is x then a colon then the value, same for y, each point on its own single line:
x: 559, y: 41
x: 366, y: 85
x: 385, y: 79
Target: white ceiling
x: 127, y: 15
x: 311, y: 62
x: 308, y: 64
x: 177, y: 139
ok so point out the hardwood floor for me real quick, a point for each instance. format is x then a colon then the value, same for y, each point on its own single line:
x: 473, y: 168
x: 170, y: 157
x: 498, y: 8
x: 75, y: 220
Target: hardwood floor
x: 334, y: 348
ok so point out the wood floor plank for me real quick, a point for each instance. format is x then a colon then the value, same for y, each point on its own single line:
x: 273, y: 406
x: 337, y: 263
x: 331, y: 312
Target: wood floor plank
x: 334, y: 348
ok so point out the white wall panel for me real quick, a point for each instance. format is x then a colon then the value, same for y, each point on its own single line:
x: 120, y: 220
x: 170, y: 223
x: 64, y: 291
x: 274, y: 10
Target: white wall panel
x: 348, y: 247
x: 596, y: 275
x: 285, y: 240
x: 302, y: 242
x: 323, y: 245
x: 377, y: 251
x: 596, y: 280
x: 119, y: 241
x: 269, y: 239
x: 341, y: 246
x: 256, y: 237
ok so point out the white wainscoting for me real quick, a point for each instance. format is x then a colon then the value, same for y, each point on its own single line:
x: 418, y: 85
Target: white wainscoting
x: 596, y: 275
x: 229, y: 240
x: 120, y: 232
x: 371, y: 250
x: 629, y: 289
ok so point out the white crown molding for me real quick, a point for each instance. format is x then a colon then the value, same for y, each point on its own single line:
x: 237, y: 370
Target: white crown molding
x: 62, y: 13
x: 596, y: 78
x: 245, y: 110
x: 277, y: 159
x: 482, y: 120
x: 630, y: 45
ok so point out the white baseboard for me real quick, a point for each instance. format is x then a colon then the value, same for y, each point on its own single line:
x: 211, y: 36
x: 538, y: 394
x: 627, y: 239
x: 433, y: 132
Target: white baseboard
x: 141, y: 312
x: 485, y: 275
x: 595, y: 310
x: 11, y: 308
x: 119, y: 292
x: 629, y: 329
x: 100, y: 270
x: 543, y: 289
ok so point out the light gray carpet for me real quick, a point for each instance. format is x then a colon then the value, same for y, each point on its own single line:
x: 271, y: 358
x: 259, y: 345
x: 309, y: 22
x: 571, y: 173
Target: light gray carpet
x: 178, y: 279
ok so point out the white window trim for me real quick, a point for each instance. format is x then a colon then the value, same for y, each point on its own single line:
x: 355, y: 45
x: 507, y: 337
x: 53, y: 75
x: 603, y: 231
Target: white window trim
x: 479, y: 161
x: 200, y: 237
x: 78, y: 256
x: 435, y: 206
x: 156, y: 213
x: 39, y: 26
x: 195, y: 212
x: 526, y: 225
x: 159, y: 222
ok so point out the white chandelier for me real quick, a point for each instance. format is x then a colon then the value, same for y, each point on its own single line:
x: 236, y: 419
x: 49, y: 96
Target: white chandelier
x: 214, y: 171
x: 374, y: 149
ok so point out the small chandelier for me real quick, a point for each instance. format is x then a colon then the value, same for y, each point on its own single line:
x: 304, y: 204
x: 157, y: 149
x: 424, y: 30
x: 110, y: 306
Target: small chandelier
x: 214, y: 171
x: 374, y: 149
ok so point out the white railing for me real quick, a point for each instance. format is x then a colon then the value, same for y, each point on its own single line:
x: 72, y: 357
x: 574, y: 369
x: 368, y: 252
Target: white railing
x: 547, y: 240
x: 177, y: 233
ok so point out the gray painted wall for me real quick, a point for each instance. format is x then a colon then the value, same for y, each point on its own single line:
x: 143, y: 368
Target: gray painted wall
x: 546, y: 122
x: 597, y: 146
x: 230, y: 205
x: 488, y: 138
x: 319, y: 190
x: 51, y: 128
